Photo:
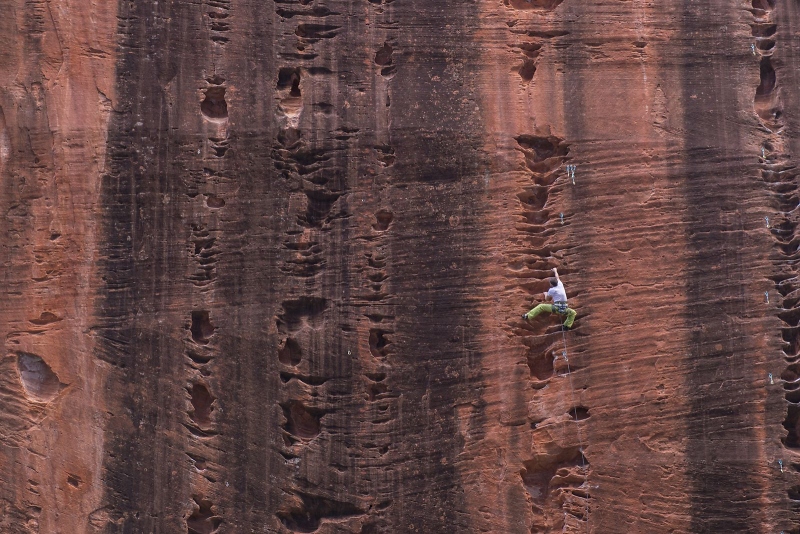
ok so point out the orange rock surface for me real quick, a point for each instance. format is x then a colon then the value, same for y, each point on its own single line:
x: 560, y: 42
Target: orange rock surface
x: 265, y: 265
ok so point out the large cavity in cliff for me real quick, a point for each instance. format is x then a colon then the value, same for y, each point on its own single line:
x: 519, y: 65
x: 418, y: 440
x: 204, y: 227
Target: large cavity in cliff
x: 41, y: 384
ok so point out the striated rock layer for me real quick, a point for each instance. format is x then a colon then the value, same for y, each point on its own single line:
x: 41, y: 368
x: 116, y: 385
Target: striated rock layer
x: 264, y: 263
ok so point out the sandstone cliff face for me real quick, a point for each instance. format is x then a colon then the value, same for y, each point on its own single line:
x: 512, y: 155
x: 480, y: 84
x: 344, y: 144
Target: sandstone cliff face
x: 264, y: 264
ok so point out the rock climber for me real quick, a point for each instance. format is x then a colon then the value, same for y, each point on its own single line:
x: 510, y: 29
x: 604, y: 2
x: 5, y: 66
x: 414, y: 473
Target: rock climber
x: 559, y: 305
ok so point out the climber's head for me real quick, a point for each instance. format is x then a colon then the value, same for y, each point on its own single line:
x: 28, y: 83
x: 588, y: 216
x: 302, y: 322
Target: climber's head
x: 553, y: 282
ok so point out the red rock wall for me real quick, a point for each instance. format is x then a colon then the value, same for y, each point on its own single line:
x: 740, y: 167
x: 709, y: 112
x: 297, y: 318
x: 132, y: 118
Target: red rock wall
x: 265, y: 262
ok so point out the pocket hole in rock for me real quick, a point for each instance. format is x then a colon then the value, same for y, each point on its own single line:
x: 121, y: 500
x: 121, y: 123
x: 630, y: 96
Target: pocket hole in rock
x: 219, y: 150
x: 383, y: 56
x: 214, y: 105
x: 527, y: 70
x: 535, y: 4
x: 765, y: 44
x: 202, y: 243
x: 203, y: 519
x: 38, y: 379
x: 219, y: 26
x: 534, y: 197
x: 378, y: 342
x: 319, y: 71
x: 542, y: 148
x: 377, y: 389
x: 383, y: 219
x: 579, y: 413
x: 768, y: 78
x: 793, y: 396
x: 791, y: 336
x: 290, y: 353
x: 201, y: 329
x: 376, y: 377
x: 791, y: 373
x: 320, y: 203
x: 214, y: 202
x: 305, y: 512
x: 376, y: 261
x: 290, y: 78
x: 794, y: 493
x: 74, y: 480
x: 45, y: 318
x: 531, y: 50
x: 541, y: 368
x: 765, y: 5
x: 792, y: 440
x: 761, y: 30
x: 200, y: 359
x: 385, y: 155
x: 316, y: 31
x: 199, y: 462
x: 301, y: 421
x: 792, y: 316
x: 540, y: 476
x: 202, y: 404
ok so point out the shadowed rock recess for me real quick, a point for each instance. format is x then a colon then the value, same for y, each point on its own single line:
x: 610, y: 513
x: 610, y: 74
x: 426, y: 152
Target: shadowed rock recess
x: 265, y: 261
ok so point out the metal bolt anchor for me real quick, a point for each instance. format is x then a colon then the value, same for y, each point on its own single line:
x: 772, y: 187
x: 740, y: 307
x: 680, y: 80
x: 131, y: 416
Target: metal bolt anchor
x: 571, y: 173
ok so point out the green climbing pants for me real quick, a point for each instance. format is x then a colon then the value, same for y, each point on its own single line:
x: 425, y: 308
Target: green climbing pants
x: 543, y: 307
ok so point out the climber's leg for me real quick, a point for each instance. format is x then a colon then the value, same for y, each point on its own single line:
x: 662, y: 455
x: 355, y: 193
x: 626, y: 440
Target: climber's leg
x: 571, y: 314
x: 543, y: 307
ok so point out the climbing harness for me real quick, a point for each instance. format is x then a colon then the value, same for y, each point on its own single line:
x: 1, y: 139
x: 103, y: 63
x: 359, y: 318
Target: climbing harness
x: 561, y: 307
x: 578, y: 426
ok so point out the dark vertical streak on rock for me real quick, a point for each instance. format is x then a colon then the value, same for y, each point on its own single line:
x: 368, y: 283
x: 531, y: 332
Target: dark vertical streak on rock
x: 722, y: 406
x: 244, y: 300
x: 141, y: 256
x: 437, y: 136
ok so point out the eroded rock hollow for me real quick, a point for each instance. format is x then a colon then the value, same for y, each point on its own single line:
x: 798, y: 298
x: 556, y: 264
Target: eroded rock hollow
x: 264, y: 264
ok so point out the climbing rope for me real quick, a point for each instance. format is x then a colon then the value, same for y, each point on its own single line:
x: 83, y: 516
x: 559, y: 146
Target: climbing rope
x: 578, y: 426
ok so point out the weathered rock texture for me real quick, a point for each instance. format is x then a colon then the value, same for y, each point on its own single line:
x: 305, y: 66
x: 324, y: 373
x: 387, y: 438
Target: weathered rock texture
x: 264, y: 263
